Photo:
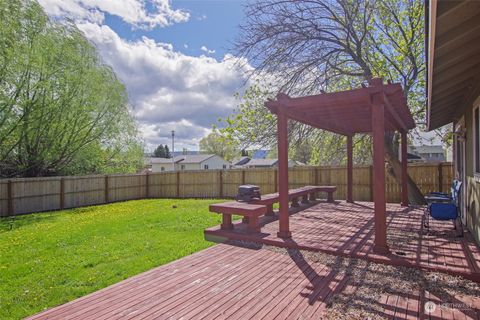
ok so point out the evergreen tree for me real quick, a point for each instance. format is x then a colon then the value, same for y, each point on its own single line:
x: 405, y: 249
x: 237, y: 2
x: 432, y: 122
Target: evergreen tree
x: 159, y: 152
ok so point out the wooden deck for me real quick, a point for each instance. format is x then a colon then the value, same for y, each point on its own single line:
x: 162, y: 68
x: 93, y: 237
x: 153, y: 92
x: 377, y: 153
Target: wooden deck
x: 229, y: 282
x: 346, y: 229
x: 244, y: 280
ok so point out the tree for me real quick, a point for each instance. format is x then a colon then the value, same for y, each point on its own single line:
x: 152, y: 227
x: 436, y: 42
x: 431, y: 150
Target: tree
x: 167, y: 152
x: 218, y: 144
x: 62, y: 111
x: 329, y: 45
x: 159, y: 152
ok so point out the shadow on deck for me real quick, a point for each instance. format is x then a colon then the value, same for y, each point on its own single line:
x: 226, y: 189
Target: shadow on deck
x: 347, y: 229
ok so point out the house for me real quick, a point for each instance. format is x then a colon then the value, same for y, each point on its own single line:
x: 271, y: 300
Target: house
x: 453, y: 93
x: 189, y: 162
x: 429, y: 153
x: 269, y: 163
x: 413, y: 158
x: 240, y: 162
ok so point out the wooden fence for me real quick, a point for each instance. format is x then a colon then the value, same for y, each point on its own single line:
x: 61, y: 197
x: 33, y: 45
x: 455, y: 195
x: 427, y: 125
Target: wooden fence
x: 27, y: 195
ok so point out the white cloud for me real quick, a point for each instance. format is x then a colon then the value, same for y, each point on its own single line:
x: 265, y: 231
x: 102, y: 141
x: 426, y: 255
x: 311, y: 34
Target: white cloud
x: 168, y: 89
x: 135, y: 12
x: 205, y: 49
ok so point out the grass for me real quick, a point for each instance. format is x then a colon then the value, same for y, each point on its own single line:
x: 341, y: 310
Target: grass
x: 47, y: 259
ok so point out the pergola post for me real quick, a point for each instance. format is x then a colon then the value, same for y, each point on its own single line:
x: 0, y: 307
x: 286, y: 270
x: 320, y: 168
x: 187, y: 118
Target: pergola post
x: 404, y: 169
x: 349, y: 169
x: 378, y: 128
x: 282, y: 135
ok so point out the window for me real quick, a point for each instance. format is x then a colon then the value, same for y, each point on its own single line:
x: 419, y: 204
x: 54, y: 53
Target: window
x: 162, y: 168
x: 182, y: 167
x: 205, y: 166
x: 476, y: 139
x: 224, y: 166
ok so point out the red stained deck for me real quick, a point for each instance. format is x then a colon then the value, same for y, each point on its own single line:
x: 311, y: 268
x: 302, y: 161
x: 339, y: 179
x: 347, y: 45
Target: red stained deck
x: 231, y: 282
x: 228, y: 282
x: 346, y: 229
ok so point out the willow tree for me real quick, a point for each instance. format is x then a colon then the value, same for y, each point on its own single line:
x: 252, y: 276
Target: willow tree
x: 308, y: 47
x: 62, y: 111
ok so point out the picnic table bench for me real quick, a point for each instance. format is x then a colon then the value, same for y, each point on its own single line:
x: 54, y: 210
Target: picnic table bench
x: 252, y: 210
x: 307, y: 193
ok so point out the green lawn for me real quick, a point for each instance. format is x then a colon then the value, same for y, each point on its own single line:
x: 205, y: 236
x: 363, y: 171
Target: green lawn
x: 50, y: 258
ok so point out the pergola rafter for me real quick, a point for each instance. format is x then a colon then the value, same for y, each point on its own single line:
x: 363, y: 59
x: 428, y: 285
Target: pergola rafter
x: 374, y: 109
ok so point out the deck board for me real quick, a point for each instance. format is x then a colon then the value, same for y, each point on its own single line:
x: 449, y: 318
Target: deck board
x: 346, y: 229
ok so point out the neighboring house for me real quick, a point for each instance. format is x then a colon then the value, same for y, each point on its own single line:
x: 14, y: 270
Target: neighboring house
x: 269, y: 163
x: 413, y: 158
x: 240, y: 162
x: 453, y: 93
x: 189, y: 162
x: 429, y: 153
x: 161, y: 164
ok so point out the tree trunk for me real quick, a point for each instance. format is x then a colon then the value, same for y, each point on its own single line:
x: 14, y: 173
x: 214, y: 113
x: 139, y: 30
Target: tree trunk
x: 415, y: 196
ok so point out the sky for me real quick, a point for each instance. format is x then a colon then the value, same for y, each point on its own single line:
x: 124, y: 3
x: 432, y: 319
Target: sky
x: 174, y: 57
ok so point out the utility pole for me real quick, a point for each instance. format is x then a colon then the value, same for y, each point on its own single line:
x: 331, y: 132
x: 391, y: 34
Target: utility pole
x: 173, y: 149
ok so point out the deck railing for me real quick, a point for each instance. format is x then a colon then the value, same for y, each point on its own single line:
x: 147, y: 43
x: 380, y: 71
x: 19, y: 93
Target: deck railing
x: 27, y: 195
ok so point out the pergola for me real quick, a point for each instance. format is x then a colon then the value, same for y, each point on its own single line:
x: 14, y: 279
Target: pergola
x: 374, y: 109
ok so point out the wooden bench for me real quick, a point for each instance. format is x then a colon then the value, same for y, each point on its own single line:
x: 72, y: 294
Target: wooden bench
x: 250, y: 212
x: 307, y: 193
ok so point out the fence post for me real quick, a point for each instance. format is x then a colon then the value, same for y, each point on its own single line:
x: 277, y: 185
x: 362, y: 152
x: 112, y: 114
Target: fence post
x: 275, y: 179
x: 221, y: 182
x: 440, y: 177
x: 106, y: 189
x: 243, y: 176
x: 371, y: 182
x: 9, y: 198
x: 147, y: 182
x: 178, y: 184
x: 62, y: 193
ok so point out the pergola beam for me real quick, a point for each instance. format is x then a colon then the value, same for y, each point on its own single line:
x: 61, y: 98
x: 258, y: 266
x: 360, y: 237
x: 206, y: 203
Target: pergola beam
x: 301, y: 117
x: 391, y: 110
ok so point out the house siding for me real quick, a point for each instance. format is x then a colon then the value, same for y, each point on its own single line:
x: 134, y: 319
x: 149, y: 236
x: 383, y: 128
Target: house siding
x: 472, y: 183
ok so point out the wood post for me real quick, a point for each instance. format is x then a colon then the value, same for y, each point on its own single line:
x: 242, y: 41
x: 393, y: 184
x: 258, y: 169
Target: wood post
x: 275, y: 179
x: 147, y: 183
x: 243, y: 176
x: 440, y: 177
x: 349, y: 169
x: 404, y: 142
x: 371, y: 183
x: 106, y: 189
x: 178, y: 184
x: 378, y: 128
x: 282, y: 136
x: 62, y: 193
x: 9, y: 198
x: 220, y: 179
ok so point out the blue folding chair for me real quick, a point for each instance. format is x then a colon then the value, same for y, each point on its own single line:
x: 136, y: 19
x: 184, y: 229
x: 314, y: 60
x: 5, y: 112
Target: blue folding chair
x: 444, y: 206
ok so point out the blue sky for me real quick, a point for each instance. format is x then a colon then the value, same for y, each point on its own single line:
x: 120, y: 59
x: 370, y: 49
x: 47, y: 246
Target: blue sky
x: 213, y: 24
x: 174, y: 58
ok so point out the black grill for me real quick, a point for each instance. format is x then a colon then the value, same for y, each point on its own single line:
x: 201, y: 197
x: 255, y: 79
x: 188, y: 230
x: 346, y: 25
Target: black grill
x: 248, y: 193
